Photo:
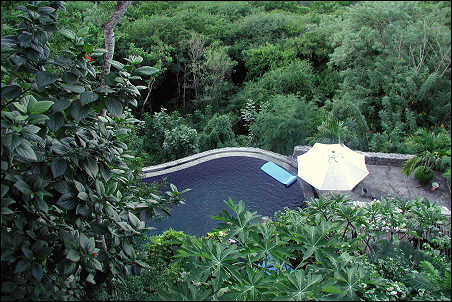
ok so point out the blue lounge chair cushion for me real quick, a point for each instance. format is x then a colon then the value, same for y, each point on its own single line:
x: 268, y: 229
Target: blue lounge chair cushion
x: 279, y: 173
x: 267, y: 265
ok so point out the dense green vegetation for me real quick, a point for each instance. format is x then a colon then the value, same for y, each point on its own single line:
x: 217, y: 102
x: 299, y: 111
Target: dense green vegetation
x: 375, y: 72
x: 70, y: 194
x: 339, y: 252
x: 191, y: 76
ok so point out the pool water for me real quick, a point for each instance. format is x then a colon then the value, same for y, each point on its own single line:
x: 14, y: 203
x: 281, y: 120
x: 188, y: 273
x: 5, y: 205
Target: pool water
x: 214, y: 181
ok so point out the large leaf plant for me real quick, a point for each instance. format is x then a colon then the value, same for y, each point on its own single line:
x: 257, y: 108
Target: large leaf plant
x: 67, y: 221
x: 330, y: 250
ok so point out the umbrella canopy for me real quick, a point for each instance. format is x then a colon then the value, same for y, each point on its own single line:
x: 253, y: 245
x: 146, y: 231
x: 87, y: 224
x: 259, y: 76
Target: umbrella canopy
x: 332, y: 167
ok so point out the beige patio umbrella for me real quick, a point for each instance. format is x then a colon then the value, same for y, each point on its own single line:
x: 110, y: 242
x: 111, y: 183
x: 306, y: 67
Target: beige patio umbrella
x: 332, y: 167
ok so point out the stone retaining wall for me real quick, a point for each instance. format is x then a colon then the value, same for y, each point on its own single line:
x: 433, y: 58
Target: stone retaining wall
x: 372, y: 158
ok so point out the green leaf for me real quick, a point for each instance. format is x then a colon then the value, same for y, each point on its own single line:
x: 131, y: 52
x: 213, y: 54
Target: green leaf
x: 58, y: 167
x: 333, y: 289
x: 21, y: 107
x: 76, y: 111
x: 67, y: 33
x: 61, y: 104
x: 79, y: 186
x: 73, y: 88
x: 128, y: 249
x: 146, y: 70
x: 31, y: 129
x: 40, y: 107
x: 59, y: 149
x: 38, y: 118
x: 91, y: 167
x: 11, y: 91
x: 100, y: 188
x: 133, y: 59
x: 21, y: 266
x: 66, y: 201
x: 46, y: 10
x: 116, y: 64
x: 83, y: 196
x: 69, y: 268
x: 42, y: 205
x: 26, y: 151
x: 88, y: 97
x: 110, y: 211
x: 126, y: 227
x: 105, y: 172
x: 82, y: 210
x: 98, y: 52
x: 90, y: 278
x: 134, y: 219
x: 69, y: 77
x: 105, y: 89
x: 7, y: 211
x: 73, y: 255
x: 142, y: 263
x: 45, y: 78
x: 84, y: 242
x: 114, y: 107
x: 27, y: 252
x: 97, y: 265
x: 56, y: 121
x: 5, y: 189
x: 36, y: 271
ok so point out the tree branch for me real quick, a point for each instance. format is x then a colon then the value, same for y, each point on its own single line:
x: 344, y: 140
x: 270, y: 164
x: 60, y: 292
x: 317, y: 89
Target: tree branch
x: 151, y: 83
x: 109, y: 36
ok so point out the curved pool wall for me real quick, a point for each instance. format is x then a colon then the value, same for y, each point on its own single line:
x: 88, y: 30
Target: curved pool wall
x: 238, y: 168
x: 285, y: 162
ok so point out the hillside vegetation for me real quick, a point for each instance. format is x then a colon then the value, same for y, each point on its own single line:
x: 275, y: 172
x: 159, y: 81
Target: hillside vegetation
x: 192, y: 76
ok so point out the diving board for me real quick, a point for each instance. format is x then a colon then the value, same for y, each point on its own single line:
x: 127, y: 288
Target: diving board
x: 279, y: 173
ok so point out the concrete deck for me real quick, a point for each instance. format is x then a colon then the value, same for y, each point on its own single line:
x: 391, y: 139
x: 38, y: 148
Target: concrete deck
x: 386, y: 179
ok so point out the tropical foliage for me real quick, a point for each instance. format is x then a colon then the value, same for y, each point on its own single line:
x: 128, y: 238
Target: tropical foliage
x: 392, y: 249
x: 381, y: 68
x: 202, y: 75
x: 69, y: 199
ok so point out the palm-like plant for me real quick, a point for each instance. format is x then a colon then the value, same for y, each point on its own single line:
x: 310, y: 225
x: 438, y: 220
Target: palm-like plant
x: 254, y: 268
x: 331, y: 131
x: 424, y: 140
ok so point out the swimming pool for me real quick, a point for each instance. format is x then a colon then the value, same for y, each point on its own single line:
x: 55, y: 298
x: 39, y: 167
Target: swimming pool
x: 218, y: 178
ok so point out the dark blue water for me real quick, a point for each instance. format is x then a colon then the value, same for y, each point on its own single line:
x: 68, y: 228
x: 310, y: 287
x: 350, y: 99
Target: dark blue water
x: 214, y: 181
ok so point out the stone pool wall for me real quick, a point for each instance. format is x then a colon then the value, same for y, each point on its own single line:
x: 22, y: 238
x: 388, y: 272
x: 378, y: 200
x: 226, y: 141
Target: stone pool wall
x: 372, y: 158
x: 286, y: 162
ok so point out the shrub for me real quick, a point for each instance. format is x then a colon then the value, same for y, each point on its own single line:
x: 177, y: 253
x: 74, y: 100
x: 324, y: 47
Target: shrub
x: 423, y: 174
x: 296, y: 78
x: 180, y: 141
x: 167, y: 136
x: 218, y: 133
x: 329, y: 250
x: 264, y: 58
x: 284, y: 122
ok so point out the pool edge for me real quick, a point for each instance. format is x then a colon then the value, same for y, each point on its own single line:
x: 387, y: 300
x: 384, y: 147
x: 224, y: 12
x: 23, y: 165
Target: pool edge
x: 286, y: 162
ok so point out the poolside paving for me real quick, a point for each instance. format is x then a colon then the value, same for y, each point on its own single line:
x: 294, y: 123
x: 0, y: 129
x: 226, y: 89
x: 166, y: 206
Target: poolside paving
x: 388, y: 181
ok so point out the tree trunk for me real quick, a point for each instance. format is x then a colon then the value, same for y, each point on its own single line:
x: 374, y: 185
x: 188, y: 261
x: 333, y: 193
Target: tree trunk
x: 148, y: 97
x: 185, y: 85
x: 109, y: 36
